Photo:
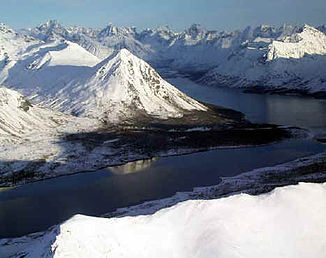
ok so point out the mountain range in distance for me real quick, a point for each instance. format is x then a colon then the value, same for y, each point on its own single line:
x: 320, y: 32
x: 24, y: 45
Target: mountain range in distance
x: 269, y: 58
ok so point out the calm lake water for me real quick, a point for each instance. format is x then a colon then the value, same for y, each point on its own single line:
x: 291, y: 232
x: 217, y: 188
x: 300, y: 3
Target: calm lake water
x: 37, y: 206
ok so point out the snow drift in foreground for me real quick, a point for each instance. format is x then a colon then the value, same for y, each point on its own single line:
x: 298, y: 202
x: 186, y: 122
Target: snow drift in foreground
x: 288, y: 222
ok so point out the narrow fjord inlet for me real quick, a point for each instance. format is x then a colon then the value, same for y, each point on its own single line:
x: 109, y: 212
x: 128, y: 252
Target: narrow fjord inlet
x: 130, y: 142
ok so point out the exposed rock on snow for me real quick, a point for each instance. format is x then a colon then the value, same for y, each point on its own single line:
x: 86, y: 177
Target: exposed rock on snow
x: 290, y: 57
x: 124, y: 86
x: 277, y: 224
x: 21, y: 121
x: 291, y: 61
x: 309, y: 42
x: 12, y: 44
x: 119, y: 88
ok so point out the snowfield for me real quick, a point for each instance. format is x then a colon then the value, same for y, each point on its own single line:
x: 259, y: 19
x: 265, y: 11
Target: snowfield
x: 288, y: 222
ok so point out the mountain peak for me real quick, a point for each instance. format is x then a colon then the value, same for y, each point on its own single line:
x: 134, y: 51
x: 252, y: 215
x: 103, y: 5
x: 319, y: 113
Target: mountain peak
x: 51, y: 30
x: 194, y: 29
x: 128, y: 88
x: 5, y: 28
x: 50, y: 24
x: 309, y: 33
x: 164, y: 28
x: 307, y: 27
x: 125, y: 53
x: 112, y: 30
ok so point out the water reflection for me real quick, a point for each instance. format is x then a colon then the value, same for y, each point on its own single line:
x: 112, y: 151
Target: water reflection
x: 133, y: 167
x: 3, y: 189
x: 302, y: 112
x: 274, y: 109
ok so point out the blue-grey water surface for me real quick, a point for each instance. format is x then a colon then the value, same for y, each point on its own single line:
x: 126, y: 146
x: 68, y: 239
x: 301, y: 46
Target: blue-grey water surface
x: 37, y: 206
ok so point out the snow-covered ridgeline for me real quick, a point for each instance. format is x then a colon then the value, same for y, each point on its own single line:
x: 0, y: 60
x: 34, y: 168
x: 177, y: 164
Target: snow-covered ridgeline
x: 66, y: 77
x: 267, y: 56
x: 308, y: 42
x: 277, y: 224
x: 21, y: 121
x: 191, y: 48
x: 296, y: 61
x: 12, y: 44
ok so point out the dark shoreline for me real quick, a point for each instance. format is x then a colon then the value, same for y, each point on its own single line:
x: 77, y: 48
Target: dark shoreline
x: 197, y: 131
x: 146, y: 144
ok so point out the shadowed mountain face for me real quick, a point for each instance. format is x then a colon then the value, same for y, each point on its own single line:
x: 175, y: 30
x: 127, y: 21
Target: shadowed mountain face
x: 121, y: 90
x: 122, y: 87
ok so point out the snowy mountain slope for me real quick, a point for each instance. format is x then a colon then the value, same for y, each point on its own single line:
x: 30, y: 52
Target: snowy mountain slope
x: 100, y: 42
x: 186, y: 50
x: 308, y: 42
x: 277, y: 224
x: 20, y: 120
x: 123, y: 86
x: 267, y: 56
x: 117, y: 38
x: 195, y: 49
x: 46, y: 68
x: 12, y: 44
x: 64, y: 54
x: 293, y: 60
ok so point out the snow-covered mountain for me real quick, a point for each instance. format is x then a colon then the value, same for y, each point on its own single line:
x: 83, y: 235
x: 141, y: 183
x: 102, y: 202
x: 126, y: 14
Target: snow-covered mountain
x: 123, y: 86
x: 100, y: 42
x: 18, y: 116
x: 47, y: 67
x: 195, y: 49
x: 12, y: 44
x: 309, y: 41
x: 191, y: 49
x: 21, y: 120
x: 267, y: 56
x: 64, y: 76
x: 296, y: 59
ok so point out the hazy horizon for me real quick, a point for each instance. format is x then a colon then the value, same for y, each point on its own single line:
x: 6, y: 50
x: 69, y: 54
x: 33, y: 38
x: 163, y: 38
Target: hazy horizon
x: 214, y: 15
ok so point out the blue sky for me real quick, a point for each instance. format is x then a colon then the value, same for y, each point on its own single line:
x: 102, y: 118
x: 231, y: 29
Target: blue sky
x: 178, y: 14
